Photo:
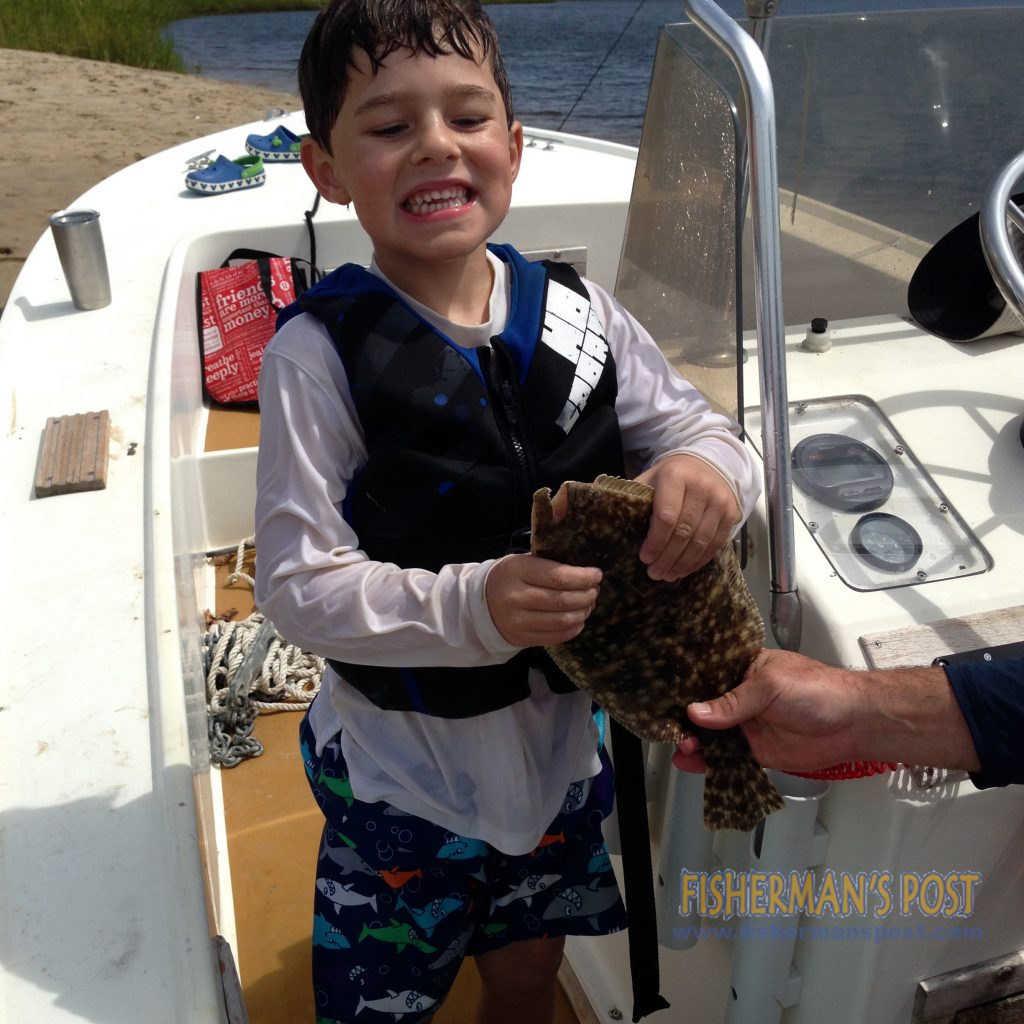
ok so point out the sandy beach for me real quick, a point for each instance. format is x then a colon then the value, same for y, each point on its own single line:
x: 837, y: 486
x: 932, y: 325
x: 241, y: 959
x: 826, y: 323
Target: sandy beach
x: 70, y: 123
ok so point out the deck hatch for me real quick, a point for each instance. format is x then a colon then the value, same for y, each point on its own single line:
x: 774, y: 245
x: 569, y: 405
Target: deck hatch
x: 908, y: 534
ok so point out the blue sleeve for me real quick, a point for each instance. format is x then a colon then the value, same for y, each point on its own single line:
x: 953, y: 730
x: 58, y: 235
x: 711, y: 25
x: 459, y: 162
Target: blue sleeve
x: 991, y: 698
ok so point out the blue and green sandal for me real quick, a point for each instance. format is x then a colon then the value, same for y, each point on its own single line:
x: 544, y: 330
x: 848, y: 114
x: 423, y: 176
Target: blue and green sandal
x: 280, y: 145
x: 224, y: 175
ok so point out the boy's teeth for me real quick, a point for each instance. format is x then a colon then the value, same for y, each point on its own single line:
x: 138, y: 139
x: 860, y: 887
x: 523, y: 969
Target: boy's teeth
x: 436, y: 199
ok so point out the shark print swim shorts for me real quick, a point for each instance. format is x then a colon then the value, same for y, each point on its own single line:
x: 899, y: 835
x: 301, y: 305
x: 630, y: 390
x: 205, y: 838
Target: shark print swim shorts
x: 400, y: 902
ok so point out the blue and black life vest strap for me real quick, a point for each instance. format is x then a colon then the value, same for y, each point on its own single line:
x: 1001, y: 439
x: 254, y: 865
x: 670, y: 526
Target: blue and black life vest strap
x: 637, y: 873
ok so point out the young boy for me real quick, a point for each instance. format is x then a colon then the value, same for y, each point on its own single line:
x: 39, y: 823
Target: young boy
x: 409, y: 411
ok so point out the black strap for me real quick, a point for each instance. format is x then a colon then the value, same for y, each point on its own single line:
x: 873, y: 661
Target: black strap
x: 637, y: 873
x: 263, y: 266
x: 300, y: 280
x: 247, y: 254
x: 311, y: 231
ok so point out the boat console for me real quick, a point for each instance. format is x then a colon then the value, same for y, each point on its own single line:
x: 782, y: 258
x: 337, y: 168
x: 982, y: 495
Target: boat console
x: 894, y: 479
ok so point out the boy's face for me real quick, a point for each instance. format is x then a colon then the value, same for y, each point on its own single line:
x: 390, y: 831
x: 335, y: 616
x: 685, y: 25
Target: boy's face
x: 423, y: 151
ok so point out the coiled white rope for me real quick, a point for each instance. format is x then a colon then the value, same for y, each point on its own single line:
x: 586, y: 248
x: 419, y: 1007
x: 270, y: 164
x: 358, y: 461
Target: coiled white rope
x: 250, y: 668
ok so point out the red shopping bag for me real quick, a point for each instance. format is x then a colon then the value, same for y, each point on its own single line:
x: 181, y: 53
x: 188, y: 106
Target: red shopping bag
x: 237, y: 309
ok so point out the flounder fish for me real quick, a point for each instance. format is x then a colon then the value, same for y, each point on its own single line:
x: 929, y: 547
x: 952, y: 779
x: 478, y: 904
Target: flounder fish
x: 650, y: 648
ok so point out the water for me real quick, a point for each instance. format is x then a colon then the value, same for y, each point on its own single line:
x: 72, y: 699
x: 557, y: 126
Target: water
x: 552, y: 51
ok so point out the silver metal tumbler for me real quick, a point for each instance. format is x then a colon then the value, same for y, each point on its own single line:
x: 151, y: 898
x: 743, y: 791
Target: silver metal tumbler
x: 79, y: 242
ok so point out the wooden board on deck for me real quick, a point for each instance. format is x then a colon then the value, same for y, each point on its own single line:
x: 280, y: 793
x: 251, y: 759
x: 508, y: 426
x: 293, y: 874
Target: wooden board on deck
x: 989, y: 992
x: 921, y: 645
x: 74, y: 454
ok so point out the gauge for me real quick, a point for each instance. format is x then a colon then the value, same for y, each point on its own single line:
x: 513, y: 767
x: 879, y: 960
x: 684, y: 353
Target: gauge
x: 886, y: 542
x: 842, y: 472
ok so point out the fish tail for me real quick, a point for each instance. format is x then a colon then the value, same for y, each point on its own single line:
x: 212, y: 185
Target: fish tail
x: 737, y: 791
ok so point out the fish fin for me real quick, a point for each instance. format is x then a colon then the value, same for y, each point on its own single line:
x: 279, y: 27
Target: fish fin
x: 541, y: 517
x: 571, y: 665
x: 736, y: 583
x: 617, y: 485
x: 737, y: 791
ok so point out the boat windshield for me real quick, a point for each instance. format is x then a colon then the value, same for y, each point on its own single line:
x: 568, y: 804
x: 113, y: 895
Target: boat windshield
x: 891, y: 127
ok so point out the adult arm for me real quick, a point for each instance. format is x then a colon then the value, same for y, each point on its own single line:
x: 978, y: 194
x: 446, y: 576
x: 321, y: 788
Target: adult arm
x: 991, y: 699
x: 801, y: 715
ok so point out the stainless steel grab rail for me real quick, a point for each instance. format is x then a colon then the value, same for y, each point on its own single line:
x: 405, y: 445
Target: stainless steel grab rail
x: 997, y: 212
x: 759, y: 117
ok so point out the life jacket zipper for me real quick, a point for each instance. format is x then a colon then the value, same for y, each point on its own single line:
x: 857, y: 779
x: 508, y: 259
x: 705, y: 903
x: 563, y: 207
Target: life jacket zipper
x: 502, y: 384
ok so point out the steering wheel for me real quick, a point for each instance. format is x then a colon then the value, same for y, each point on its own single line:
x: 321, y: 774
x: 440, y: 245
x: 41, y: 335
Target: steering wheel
x: 1003, y: 246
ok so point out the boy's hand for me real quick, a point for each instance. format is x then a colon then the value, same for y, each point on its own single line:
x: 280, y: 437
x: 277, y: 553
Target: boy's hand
x: 694, y: 513
x: 535, y: 602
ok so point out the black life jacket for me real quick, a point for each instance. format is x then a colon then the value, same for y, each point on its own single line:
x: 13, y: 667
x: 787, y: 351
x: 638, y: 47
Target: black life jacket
x: 459, y: 439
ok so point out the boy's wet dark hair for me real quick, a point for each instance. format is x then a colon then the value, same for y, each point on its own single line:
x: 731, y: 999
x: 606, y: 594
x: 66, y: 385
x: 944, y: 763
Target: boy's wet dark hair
x: 380, y: 27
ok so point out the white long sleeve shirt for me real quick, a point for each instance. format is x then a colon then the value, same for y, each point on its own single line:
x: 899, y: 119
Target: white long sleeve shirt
x: 501, y: 776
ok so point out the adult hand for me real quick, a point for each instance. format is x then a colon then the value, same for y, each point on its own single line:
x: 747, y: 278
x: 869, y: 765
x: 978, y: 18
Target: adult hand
x: 797, y: 714
x: 535, y: 602
x: 694, y: 513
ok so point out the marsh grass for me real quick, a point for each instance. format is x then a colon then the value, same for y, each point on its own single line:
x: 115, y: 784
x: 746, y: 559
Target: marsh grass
x: 120, y: 31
